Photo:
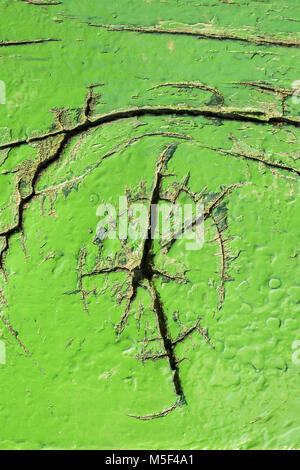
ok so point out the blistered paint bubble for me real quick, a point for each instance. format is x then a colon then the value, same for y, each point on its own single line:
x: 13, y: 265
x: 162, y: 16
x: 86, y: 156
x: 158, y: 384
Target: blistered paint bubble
x: 274, y: 283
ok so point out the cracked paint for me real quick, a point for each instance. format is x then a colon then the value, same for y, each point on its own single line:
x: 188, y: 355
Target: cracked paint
x: 219, y: 98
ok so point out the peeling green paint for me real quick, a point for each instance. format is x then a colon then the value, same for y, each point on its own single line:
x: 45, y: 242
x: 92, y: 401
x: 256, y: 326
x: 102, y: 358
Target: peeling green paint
x: 155, y: 75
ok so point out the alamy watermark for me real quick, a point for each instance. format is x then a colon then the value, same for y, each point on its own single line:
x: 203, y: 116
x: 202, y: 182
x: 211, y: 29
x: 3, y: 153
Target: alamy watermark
x: 2, y: 92
x: 163, y: 221
x: 296, y: 94
x: 2, y: 352
x: 296, y: 353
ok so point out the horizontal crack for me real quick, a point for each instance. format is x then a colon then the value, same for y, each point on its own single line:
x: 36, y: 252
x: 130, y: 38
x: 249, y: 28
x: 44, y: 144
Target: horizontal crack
x: 33, y: 2
x: 27, y: 41
x: 226, y: 113
x: 265, y: 88
x: 205, y: 34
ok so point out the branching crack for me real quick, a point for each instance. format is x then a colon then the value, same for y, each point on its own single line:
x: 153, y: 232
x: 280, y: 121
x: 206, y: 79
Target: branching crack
x: 141, y: 272
x: 226, y: 113
x: 23, y: 200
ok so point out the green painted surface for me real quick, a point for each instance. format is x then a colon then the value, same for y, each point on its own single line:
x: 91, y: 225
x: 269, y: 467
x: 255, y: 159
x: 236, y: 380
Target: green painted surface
x: 67, y: 382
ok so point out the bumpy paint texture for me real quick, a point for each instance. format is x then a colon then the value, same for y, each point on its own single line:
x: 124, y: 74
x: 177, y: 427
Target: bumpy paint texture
x: 104, y: 99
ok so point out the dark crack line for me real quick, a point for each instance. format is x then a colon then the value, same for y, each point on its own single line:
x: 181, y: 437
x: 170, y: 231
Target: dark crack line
x: 23, y: 201
x: 278, y: 166
x: 14, y: 333
x: 87, y: 123
x: 33, y: 2
x: 41, y: 166
x: 146, y: 268
x: 142, y: 272
x: 162, y: 414
x: 224, y: 260
x: 265, y: 88
x: 169, y: 346
x: 27, y: 42
x: 225, y: 113
x: 204, y: 34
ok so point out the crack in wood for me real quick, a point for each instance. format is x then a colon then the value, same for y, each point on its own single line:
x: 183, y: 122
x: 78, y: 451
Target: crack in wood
x: 223, y: 113
x: 36, y: 2
x: 139, y: 266
x: 204, y: 34
x: 25, y: 42
x: 58, y: 141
